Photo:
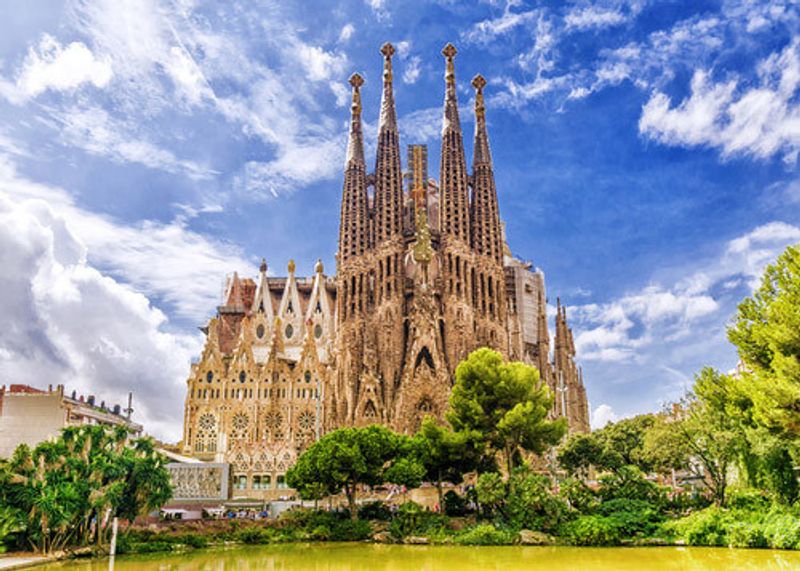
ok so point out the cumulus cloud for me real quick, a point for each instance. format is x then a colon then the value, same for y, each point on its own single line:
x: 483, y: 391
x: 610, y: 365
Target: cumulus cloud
x: 51, y: 66
x: 164, y: 260
x: 761, y: 120
x: 66, y: 322
x: 603, y: 415
x: 630, y: 327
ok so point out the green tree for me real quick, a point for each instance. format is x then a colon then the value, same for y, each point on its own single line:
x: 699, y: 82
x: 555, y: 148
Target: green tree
x: 506, y: 403
x: 703, y: 435
x: 88, y: 474
x: 766, y: 332
x: 349, y: 457
x: 447, y: 455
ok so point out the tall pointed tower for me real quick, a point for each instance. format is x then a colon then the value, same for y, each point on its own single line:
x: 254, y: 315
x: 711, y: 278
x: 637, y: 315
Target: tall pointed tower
x: 387, y: 271
x: 486, y: 235
x: 352, y: 276
x: 459, y: 295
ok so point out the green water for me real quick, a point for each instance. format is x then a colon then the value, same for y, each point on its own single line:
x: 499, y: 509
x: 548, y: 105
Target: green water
x: 355, y: 557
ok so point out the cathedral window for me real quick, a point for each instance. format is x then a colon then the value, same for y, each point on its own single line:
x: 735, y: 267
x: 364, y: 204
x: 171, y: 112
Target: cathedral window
x: 307, y: 376
x: 318, y: 309
x: 260, y: 331
x: 370, y: 412
x: 209, y: 376
x: 306, y: 421
x: 240, y: 482
x: 289, y: 331
x: 242, y: 377
x: 290, y: 308
x: 318, y: 331
x: 281, y: 483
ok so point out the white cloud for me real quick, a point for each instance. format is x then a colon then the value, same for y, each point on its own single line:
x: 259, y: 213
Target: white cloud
x: 488, y: 30
x: 346, y: 33
x: 587, y: 17
x: 66, y: 322
x: 93, y: 130
x: 137, y: 253
x: 51, y: 66
x: 603, y: 415
x: 639, y: 324
x: 412, y: 70
x: 761, y: 120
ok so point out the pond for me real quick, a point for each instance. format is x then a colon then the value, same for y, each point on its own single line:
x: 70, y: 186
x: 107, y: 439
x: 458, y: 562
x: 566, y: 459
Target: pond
x: 355, y: 557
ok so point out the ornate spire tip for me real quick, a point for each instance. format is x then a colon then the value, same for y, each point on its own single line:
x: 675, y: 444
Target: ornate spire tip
x: 449, y: 51
x: 356, y: 80
x: 263, y: 267
x: 478, y: 82
x: 387, y: 50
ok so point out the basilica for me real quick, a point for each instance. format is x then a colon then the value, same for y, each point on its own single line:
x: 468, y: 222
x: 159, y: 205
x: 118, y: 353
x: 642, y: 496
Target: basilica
x: 423, y: 277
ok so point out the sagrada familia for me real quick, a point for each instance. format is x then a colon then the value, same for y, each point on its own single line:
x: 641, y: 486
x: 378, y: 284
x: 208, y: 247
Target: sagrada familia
x: 423, y: 277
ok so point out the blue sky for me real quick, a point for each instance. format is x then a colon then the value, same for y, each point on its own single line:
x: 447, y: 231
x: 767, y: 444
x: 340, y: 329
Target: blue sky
x: 645, y: 154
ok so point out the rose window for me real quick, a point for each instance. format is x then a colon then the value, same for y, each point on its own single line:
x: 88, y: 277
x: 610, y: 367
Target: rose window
x: 306, y: 421
x: 207, y: 422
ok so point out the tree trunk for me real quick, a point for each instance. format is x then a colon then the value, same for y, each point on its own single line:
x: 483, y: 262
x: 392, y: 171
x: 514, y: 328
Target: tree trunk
x: 350, y: 492
x: 441, y: 494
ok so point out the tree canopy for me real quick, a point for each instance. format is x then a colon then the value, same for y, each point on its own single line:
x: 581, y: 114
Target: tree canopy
x: 766, y: 332
x: 88, y: 474
x: 349, y: 457
x: 505, y: 402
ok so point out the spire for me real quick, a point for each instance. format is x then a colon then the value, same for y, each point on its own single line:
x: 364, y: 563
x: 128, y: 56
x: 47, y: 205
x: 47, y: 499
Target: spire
x: 355, y: 147
x: 388, y: 174
x: 481, y: 154
x: 388, y: 119
x: 454, y: 202
x: 353, y: 222
x: 484, y: 213
x: 451, y: 120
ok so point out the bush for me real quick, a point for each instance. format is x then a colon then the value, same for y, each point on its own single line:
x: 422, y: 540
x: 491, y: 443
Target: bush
x: 578, y: 495
x: 782, y: 529
x: 256, y: 535
x: 412, y: 519
x: 194, y: 540
x: 629, y: 483
x: 596, y: 530
x: 746, y: 534
x: 375, y: 510
x: 455, y: 505
x: 707, y: 527
x: 485, y: 534
x: 634, y: 517
x: 349, y: 530
x: 531, y: 504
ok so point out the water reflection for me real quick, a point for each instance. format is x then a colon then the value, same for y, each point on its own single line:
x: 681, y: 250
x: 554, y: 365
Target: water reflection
x: 353, y: 557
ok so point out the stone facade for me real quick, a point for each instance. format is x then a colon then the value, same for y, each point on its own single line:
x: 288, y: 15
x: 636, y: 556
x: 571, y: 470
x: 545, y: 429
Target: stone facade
x: 423, y: 278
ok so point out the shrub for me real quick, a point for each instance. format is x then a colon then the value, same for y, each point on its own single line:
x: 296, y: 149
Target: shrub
x: 594, y: 530
x: 579, y: 496
x: 634, y: 517
x: 629, y: 483
x: 485, y: 534
x: 349, y: 530
x: 455, y: 505
x: 782, y: 530
x: 531, y: 504
x: 412, y: 519
x: 749, y: 500
x: 194, y: 540
x: 375, y: 510
x: 707, y: 527
x: 746, y: 534
x: 256, y: 535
